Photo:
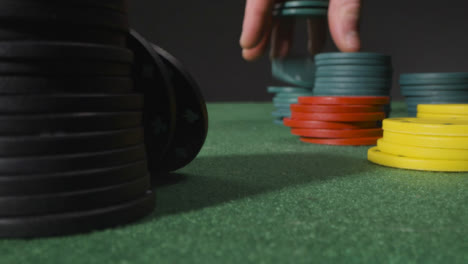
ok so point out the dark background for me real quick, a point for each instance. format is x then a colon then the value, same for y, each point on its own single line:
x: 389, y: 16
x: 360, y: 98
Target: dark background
x: 421, y: 35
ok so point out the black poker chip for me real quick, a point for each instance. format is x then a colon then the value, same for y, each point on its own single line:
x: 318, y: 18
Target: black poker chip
x: 66, y: 103
x: 71, y: 68
x: 62, y: 143
x: 71, y: 162
x: 32, y: 184
x: 35, y: 11
x: 152, y: 79
x: 51, y: 32
x: 59, y: 124
x: 192, y: 116
x: 77, y: 222
x: 15, y: 84
x: 65, y: 51
x: 74, y: 201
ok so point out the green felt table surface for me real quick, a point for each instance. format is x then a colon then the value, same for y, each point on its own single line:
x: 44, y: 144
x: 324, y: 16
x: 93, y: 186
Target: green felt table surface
x: 256, y: 194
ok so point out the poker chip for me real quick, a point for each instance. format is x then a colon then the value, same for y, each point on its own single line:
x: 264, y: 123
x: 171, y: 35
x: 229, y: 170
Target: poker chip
x: 294, y: 70
x: 458, y: 142
x: 346, y: 117
x: 336, y: 108
x: 287, y: 89
x: 294, y: 123
x: 302, y: 3
x: 422, y: 152
x: 341, y: 141
x: 434, y: 88
x: 426, y: 126
x: 60, y: 224
x: 297, y: 12
x: 35, y: 184
x: 192, y: 116
x: 403, y: 162
x: 334, y: 133
x: 456, y: 109
x: 441, y: 116
x: 337, y: 100
x: 63, y: 202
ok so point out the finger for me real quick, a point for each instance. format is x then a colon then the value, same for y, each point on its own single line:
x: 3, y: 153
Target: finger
x: 282, y: 37
x: 317, y: 28
x: 257, y: 51
x: 343, y: 18
x: 256, y: 18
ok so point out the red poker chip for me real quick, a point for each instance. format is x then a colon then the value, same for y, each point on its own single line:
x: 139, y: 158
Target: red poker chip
x: 343, y: 117
x: 342, y: 141
x: 336, y: 108
x: 337, y: 133
x: 343, y: 100
x: 329, y: 125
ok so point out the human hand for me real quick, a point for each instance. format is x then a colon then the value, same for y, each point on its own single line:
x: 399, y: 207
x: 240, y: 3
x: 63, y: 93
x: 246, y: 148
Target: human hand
x: 259, y: 28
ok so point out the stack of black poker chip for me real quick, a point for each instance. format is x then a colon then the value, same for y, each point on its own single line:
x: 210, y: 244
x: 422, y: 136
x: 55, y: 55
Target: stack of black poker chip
x: 72, y: 154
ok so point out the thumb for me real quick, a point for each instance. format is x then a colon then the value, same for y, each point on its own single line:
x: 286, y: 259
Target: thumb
x: 343, y: 18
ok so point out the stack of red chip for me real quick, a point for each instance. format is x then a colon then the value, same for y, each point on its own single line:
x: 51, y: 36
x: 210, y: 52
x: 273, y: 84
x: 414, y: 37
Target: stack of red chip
x: 331, y: 120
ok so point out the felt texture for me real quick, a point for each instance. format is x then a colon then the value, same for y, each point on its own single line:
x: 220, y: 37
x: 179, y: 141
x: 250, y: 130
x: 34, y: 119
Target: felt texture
x: 255, y: 194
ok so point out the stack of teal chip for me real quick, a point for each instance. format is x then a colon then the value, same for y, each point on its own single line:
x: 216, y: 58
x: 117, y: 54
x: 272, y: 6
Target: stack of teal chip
x: 284, y: 97
x: 306, y: 8
x: 297, y: 71
x: 434, y: 88
x: 353, y: 74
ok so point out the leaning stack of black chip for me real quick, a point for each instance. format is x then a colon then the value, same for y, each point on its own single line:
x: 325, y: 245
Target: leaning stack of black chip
x: 72, y: 153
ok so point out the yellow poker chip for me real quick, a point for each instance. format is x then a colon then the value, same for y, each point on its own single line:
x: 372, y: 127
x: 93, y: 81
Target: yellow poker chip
x: 377, y: 156
x: 427, y: 126
x: 422, y: 152
x: 445, y: 142
x: 457, y: 109
x: 441, y: 116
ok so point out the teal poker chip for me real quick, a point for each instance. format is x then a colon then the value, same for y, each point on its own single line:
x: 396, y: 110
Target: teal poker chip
x: 346, y: 92
x: 351, y: 86
x: 292, y: 95
x: 434, y: 93
x: 413, y: 101
x: 278, y: 121
x: 296, y: 70
x: 282, y: 106
x: 433, y: 76
x: 355, y: 68
x: 356, y: 79
x: 370, y: 62
x: 435, y: 87
x: 281, y: 114
x: 285, y: 100
x: 301, y: 12
x: 433, y: 81
x: 292, y: 4
x: 341, y: 73
x: 285, y: 89
x: 352, y: 55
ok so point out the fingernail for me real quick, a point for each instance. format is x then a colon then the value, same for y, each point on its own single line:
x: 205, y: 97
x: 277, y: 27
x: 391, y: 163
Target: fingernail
x: 352, y: 40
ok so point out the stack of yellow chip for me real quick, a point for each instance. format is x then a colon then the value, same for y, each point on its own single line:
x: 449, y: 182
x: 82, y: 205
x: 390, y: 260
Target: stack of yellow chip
x: 444, y: 111
x: 431, y: 144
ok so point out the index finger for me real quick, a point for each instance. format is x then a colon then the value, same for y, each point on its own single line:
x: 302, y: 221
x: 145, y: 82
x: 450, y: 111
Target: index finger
x: 256, y: 19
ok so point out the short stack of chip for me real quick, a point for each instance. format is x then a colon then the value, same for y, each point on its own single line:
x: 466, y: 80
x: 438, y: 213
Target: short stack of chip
x: 353, y: 74
x: 428, y: 144
x: 297, y: 71
x: 72, y: 155
x: 443, y: 111
x: 284, y: 97
x: 434, y: 88
x: 306, y: 8
x: 353, y: 121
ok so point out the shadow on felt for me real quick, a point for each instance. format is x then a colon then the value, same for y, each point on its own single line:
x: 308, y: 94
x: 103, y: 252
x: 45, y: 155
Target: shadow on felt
x: 209, y: 181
